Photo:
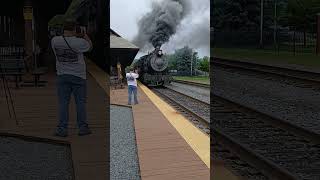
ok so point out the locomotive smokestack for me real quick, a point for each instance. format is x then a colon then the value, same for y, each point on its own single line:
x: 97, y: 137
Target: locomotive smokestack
x: 161, y: 23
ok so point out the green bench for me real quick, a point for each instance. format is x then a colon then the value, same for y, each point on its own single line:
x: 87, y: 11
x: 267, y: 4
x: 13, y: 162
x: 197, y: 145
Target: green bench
x: 17, y: 68
x: 13, y: 67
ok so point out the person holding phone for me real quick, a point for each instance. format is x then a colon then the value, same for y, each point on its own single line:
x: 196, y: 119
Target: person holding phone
x: 132, y: 85
x: 71, y: 75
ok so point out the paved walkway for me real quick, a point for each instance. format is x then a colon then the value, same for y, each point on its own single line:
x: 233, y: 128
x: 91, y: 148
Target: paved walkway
x: 36, y: 110
x: 162, y: 152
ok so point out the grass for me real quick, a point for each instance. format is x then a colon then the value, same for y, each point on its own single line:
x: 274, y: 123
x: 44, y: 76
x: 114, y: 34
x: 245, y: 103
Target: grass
x: 304, y: 59
x: 198, y: 79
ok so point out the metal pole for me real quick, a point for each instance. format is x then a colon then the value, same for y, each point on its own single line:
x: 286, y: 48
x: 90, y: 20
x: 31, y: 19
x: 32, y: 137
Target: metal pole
x: 275, y: 25
x: 318, y: 34
x: 191, y: 61
x: 294, y: 41
x: 261, y: 23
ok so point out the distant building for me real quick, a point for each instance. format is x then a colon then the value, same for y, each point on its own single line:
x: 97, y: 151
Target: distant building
x: 26, y: 23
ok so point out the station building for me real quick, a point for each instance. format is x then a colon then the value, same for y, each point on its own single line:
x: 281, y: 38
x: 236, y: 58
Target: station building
x: 122, y: 54
x: 26, y: 24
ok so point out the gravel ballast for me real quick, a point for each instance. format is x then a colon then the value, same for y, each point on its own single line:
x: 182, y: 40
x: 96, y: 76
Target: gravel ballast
x: 124, y: 162
x: 201, y: 93
x: 29, y: 160
x: 294, y: 104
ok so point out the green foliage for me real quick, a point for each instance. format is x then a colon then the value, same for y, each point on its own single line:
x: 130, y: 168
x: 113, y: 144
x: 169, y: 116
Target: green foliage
x: 172, y: 63
x: 204, y: 64
x: 302, y: 14
x: 181, y: 60
x: 184, y: 57
x: 236, y: 14
x: 244, y: 15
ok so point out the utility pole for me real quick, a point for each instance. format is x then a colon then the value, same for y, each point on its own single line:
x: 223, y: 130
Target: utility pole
x: 261, y: 23
x: 275, y: 24
x: 318, y: 34
x: 191, y: 61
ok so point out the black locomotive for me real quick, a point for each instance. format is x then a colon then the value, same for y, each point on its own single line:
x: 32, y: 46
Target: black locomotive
x: 153, y: 69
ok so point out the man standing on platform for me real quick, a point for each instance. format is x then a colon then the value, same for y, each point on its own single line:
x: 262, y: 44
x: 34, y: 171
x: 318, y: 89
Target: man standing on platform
x: 71, y: 75
x: 132, y: 85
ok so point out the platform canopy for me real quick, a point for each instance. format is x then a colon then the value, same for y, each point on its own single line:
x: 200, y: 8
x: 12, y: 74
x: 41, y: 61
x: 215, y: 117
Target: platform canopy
x: 121, y: 50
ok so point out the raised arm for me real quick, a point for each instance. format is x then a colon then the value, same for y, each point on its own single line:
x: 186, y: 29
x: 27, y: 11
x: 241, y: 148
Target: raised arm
x: 87, y: 38
x: 83, y: 44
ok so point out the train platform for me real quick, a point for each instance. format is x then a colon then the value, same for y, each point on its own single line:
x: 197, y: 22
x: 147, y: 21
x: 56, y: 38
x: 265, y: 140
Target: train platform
x: 168, y: 145
x: 36, y: 110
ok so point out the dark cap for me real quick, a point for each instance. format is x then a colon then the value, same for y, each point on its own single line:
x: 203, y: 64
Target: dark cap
x: 69, y: 25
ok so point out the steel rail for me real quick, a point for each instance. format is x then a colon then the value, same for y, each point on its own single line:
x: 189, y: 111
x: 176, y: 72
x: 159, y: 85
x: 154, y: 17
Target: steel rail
x: 267, y: 167
x: 308, y: 76
x: 270, y: 168
x: 192, y: 83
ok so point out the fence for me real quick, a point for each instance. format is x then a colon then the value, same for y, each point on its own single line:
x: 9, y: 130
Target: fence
x: 276, y: 23
x: 299, y: 42
x: 282, y: 40
x: 11, y: 52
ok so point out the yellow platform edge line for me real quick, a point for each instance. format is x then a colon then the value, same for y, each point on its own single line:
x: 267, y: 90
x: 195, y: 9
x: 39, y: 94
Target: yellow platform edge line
x: 196, y: 139
x: 101, y: 77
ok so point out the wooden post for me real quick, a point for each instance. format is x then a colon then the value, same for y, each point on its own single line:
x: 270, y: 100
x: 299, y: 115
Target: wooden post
x: 28, y: 44
x: 318, y: 34
x: 120, y: 77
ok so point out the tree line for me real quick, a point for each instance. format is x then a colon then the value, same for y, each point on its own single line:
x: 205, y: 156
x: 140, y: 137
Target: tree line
x: 245, y: 15
x: 187, y: 62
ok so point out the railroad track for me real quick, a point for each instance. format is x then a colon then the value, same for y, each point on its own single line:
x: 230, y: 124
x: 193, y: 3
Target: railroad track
x: 298, y: 78
x: 193, y: 83
x: 256, y: 145
x: 276, y: 148
x: 195, y: 110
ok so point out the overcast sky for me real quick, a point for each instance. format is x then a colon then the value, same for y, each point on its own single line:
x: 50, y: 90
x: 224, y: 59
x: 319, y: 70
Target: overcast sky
x: 193, y: 31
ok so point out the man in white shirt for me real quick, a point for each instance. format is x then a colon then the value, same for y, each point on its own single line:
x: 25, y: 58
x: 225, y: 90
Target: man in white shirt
x: 71, y: 76
x: 132, y: 85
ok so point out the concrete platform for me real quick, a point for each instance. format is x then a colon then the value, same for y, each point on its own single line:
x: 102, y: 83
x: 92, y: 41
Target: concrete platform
x: 163, y: 151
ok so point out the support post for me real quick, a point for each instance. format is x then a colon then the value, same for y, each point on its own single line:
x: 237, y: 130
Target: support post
x: 28, y: 43
x: 261, y: 23
x: 318, y: 34
x: 275, y: 25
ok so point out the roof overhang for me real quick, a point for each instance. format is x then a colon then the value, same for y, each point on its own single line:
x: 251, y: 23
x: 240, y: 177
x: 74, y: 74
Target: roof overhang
x: 122, y: 50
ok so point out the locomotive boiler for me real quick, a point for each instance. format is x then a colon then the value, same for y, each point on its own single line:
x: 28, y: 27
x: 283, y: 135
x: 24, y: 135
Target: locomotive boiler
x: 153, y: 69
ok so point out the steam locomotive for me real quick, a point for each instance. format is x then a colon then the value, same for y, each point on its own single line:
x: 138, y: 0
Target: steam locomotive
x: 153, y: 69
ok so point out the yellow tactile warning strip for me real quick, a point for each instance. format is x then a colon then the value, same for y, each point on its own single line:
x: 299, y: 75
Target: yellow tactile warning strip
x: 100, y: 76
x: 162, y: 152
x: 198, y: 141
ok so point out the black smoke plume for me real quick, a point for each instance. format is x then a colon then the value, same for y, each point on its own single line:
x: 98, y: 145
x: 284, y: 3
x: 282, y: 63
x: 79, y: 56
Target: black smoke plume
x: 157, y: 26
